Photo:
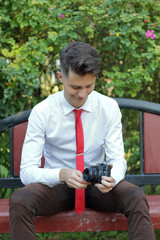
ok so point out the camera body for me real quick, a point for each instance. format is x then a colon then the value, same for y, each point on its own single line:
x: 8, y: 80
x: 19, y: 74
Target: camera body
x: 94, y: 173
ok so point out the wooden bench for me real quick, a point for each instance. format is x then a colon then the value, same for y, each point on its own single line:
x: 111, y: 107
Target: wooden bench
x: 90, y: 220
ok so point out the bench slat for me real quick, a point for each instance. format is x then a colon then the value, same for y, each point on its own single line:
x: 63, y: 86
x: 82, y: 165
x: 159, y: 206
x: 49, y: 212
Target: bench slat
x: 151, y: 143
x: 89, y: 220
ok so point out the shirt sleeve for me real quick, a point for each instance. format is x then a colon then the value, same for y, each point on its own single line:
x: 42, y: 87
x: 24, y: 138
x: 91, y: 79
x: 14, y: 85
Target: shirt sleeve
x: 114, y: 147
x: 32, y: 151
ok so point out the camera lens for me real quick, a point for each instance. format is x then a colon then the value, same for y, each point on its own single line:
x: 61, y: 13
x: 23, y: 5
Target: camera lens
x: 90, y: 175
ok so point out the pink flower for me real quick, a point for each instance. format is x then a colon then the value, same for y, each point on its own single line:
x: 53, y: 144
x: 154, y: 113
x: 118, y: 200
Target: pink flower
x: 62, y: 16
x: 150, y: 33
x: 153, y: 36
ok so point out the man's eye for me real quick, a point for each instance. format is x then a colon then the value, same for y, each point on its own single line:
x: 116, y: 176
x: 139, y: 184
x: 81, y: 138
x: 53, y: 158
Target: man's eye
x: 74, y: 87
x: 90, y: 86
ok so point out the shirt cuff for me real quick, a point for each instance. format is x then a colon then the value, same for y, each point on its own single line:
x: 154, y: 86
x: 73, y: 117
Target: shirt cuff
x: 117, y: 177
x: 53, y: 177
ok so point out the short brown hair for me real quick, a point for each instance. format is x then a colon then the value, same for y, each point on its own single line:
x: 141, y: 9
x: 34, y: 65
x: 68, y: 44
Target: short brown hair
x: 81, y: 58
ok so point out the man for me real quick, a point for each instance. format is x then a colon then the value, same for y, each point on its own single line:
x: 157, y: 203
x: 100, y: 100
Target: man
x: 51, y: 131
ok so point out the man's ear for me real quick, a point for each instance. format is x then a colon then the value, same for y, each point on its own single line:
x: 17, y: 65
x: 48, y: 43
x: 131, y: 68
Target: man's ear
x: 60, y: 77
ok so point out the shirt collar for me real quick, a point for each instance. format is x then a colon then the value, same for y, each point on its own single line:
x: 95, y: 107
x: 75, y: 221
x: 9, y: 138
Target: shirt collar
x: 67, y: 108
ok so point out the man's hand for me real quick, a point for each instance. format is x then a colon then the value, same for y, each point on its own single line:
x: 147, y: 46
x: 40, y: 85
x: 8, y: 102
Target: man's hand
x: 73, y: 178
x: 107, y: 184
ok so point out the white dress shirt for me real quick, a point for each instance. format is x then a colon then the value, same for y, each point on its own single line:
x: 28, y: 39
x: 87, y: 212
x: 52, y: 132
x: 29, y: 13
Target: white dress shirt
x: 51, y: 131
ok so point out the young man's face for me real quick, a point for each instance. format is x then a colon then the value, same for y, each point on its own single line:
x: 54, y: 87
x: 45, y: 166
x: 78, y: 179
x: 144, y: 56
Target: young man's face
x: 76, y: 87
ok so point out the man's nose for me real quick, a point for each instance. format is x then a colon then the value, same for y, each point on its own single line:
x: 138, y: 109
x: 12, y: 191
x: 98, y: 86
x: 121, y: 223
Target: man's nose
x: 82, y: 93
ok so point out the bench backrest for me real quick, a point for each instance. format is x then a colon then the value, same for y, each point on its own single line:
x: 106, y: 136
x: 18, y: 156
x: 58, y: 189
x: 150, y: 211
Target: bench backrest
x: 151, y: 143
x: 19, y: 132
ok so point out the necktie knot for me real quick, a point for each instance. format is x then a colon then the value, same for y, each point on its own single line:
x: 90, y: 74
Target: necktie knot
x: 78, y: 113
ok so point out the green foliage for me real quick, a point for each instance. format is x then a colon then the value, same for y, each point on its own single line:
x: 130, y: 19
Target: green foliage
x: 33, y: 32
x: 82, y: 236
x: 130, y: 121
x: 4, y: 236
x: 4, y: 193
x: 4, y: 161
x: 4, y: 149
x: 112, y: 235
x: 16, y: 89
x: 130, y: 59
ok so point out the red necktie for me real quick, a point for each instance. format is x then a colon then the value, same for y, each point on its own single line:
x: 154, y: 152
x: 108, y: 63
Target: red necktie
x: 79, y: 193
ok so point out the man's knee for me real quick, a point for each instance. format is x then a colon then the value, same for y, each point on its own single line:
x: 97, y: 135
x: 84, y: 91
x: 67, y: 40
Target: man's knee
x: 20, y: 201
x: 136, y: 196
x: 131, y: 197
x: 135, y: 201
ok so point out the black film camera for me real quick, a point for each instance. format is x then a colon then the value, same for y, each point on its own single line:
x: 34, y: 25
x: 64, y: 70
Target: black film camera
x: 94, y: 173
